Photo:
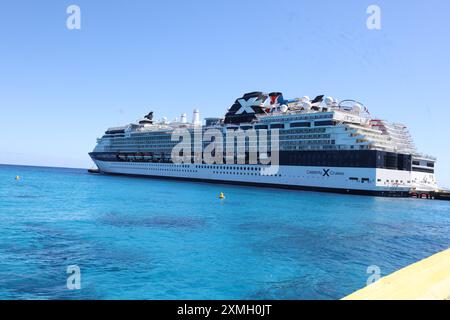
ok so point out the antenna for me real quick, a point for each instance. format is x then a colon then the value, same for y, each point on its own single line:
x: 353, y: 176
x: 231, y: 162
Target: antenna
x: 196, y: 117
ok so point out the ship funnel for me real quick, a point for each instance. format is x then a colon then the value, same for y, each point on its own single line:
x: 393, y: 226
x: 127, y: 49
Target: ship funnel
x: 183, y: 118
x: 196, y: 117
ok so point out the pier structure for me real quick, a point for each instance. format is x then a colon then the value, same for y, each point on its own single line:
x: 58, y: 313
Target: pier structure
x: 431, y: 195
x: 428, y: 279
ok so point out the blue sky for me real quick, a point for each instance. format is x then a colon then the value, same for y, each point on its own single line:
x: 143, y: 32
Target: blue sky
x: 60, y: 89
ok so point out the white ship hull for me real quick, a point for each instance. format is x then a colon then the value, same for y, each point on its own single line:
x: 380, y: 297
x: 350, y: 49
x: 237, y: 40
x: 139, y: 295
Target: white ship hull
x: 371, y: 181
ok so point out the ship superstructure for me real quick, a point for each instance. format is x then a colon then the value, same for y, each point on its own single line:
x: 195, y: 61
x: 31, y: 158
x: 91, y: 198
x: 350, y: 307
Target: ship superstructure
x: 322, y: 144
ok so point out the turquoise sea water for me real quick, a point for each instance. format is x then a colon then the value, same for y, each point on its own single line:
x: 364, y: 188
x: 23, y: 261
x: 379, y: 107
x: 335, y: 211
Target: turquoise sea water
x: 136, y: 238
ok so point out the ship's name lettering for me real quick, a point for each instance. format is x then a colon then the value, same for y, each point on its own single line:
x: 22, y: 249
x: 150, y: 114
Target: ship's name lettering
x: 331, y: 173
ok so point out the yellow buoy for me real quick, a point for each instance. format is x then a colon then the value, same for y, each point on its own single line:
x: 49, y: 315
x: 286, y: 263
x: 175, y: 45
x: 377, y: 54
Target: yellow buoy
x: 17, y: 178
x: 221, y: 196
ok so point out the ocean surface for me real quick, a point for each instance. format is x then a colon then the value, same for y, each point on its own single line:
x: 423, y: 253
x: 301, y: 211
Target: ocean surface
x: 136, y: 238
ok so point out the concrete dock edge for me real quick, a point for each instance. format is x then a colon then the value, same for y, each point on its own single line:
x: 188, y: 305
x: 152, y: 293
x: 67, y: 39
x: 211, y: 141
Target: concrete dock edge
x: 428, y: 279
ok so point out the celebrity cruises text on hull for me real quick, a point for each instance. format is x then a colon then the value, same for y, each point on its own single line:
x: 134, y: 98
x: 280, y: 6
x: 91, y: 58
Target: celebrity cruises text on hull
x: 321, y: 144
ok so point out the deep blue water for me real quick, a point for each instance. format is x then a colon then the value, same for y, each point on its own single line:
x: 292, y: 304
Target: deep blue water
x: 137, y: 238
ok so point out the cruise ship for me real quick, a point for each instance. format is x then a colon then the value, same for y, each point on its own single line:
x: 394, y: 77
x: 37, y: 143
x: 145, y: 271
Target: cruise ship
x: 320, y: 144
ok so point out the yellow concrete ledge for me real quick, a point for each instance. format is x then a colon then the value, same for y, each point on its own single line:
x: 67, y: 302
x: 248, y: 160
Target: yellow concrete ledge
x: 428, y: 279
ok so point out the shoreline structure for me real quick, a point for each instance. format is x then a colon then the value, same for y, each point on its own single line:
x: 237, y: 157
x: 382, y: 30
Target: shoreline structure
x: 428, y: 279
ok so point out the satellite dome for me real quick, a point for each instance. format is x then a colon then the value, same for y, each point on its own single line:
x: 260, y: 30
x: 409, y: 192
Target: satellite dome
x: 305, y: 99
x: 357, y: 107
x: 284, y: 108
x: 306, y: 105
x: 329, y: 101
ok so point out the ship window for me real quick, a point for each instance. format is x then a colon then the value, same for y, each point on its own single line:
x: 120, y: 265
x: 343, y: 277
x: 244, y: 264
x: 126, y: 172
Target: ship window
x: 300, y: 124
x: 277, y: 126
x: 423, y: 170
x: 323, y: 123
x: 353, y: 179
x: 261, y: 126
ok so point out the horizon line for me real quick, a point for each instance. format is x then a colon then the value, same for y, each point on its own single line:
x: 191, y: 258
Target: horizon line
x: 41, y: 166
